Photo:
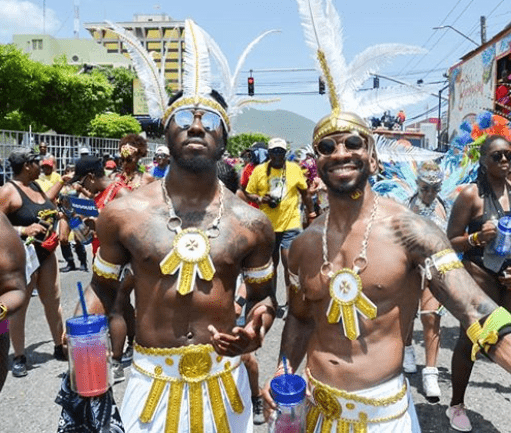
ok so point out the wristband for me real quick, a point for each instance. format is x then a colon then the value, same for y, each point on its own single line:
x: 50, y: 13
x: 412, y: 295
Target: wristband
x: 489, y: 334
x: 62, y: 181
x: 3, y: 311
x: 471, y: 241
x: 312, y: 215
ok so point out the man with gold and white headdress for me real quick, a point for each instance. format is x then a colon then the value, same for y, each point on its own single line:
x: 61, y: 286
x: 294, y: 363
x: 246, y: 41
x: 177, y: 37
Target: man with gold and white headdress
x: 356, y: 279
x: 186, y: 238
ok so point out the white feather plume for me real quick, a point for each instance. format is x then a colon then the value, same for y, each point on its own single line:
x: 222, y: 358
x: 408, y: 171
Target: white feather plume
x: 375, y: 101
x: 197, y: 66
x: 229, y: 81
x: 323, y: 32
x: 147, y: 71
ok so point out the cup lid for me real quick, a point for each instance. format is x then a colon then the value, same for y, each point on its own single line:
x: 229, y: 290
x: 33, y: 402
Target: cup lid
x: 505, y: 223
x: 288, y: 388
x: 85, y: 326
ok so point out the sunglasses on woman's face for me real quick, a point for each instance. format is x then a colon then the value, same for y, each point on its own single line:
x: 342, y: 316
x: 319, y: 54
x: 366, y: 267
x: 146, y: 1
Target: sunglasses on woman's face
x: 351, y: 143
x: 210, y: 121
x: 430, y: 188
x: 497, y: 156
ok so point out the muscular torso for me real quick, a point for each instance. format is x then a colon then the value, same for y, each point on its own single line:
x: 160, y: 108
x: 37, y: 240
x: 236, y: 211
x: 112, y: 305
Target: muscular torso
x: 164, y: 317
x: 390, y: 281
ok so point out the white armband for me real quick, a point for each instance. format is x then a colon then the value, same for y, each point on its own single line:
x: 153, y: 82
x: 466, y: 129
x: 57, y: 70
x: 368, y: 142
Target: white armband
x: 105, y: 269
x: 259, y: 275
x: 443, y: 261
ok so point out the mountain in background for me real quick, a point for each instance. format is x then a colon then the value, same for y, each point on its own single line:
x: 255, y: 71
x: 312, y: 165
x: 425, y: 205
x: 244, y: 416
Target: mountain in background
x: 295, y: 129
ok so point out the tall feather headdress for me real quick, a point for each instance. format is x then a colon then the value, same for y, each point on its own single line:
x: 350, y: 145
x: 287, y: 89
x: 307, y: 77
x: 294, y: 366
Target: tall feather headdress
x: 197, y: 75
x: 323, y: 33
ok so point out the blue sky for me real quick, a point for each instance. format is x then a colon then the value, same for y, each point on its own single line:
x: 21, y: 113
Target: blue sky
x: 233, y: 24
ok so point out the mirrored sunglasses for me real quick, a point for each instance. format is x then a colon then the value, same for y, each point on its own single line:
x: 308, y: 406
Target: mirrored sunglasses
x: 497, y: 156
x: 210, y: 121
x: 327, y: 146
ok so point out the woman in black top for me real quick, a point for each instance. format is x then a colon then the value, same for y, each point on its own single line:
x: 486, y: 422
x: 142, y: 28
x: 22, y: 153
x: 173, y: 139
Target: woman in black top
x: 471, y: 227
x: 34, y: 216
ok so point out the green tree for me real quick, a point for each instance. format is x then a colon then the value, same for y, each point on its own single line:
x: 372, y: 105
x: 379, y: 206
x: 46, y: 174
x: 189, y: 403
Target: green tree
x: 238, y: 143
x: 122, y: 81
x: 113, y: 125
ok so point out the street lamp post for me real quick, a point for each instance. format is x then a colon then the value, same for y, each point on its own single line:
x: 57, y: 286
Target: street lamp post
x: 457, y: 31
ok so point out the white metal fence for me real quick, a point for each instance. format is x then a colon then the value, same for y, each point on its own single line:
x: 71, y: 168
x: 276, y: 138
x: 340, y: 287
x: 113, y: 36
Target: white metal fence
x: 65, y: 148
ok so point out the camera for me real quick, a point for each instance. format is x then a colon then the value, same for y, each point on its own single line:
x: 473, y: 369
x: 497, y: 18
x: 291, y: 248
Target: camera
x: 274, y: 202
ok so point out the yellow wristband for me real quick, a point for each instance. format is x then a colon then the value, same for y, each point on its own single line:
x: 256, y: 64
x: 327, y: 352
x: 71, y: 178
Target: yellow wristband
x: 488, y: 335
x: 3, y: 311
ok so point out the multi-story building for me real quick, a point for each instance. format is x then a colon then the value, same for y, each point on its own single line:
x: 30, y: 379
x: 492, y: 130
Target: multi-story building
x: 158, y: 33
x: 45, y: 49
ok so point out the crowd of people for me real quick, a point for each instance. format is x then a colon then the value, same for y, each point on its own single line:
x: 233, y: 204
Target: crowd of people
x: 197, y: 246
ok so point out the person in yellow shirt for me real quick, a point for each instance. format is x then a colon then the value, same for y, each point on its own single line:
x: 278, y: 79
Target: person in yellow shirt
x: 277, y: 187
x: 48, y: 177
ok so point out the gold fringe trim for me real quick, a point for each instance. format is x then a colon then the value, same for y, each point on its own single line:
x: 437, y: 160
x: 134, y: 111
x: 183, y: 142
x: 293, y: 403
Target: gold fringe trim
x: 174, y: 402
x: 153, y: 399
x: 196, y: 408
x: 232, y: 391
x: 217, y: 406
x: 312, y: 419
x: 260, y: 280
x: 443, y: 269
x: 378, y: 402
x: 169, y: 351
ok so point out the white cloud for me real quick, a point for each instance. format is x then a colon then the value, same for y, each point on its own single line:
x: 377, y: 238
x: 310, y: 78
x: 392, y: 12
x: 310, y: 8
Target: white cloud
x: 22, y: 17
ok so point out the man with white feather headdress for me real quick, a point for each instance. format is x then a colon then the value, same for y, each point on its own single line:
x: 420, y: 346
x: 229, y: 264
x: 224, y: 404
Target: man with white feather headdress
x: 357, y: 270
x: 186, y: 239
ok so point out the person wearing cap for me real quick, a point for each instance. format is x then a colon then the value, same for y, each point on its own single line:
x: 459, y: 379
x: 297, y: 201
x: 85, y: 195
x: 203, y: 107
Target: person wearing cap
x: 356, y: 277
x: 161, y: 158
x: 110, y: 167
x: 277, y: 187
x: 187, y: 237
x: 427, y: 203
x: 33, y: 214
x: 48, y: 177
x: 44, y: 155
x: 84, y: 151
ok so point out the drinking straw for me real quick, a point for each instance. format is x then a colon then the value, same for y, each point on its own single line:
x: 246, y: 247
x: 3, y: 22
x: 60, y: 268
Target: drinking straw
x: 82, y: 300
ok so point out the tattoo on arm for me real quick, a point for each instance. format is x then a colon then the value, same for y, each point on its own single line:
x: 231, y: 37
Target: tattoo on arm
x: 455, y: 288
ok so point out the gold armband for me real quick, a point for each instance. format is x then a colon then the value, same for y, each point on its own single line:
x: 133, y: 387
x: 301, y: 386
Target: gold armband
x: 486, y: 336
x: 3, y: 311
x: 105, y: 269
x: 259, y: 275
x: 444, y: 261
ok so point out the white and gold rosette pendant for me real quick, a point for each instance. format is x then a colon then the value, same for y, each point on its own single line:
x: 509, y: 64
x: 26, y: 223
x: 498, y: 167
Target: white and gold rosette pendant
x: 190, y: 256
x: 347, y: 299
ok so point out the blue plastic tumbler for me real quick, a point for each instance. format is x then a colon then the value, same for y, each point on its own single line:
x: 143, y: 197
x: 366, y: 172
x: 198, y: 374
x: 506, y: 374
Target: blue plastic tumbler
x: 502, y: 242
x: 288, y: 391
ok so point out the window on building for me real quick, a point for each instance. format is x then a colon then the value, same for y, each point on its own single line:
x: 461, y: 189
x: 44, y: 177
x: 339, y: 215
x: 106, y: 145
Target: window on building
x: 37, y: 44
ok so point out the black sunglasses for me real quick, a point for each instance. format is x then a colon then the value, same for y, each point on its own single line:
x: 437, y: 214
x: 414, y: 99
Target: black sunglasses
x: 432, y: 188
x: 352, y: 143
x: 497, y: 156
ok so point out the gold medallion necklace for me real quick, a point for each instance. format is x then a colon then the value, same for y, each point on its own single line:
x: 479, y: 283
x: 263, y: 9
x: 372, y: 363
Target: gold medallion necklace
x: 190, y: 249
x: 346, y: 285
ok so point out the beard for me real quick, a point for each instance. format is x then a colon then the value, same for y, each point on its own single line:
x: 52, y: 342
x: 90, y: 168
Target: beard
x: 346, y: 187
x: 197, y: 163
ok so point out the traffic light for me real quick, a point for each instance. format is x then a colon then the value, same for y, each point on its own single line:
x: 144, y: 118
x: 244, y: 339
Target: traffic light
x: 376, y: 82
x: 321, y: 86
x: 251, y: 86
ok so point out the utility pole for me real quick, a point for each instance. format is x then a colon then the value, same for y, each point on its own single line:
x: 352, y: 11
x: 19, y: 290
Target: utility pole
x: 77, y: 19
x: 439, y: 124
x: 483, y: 29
